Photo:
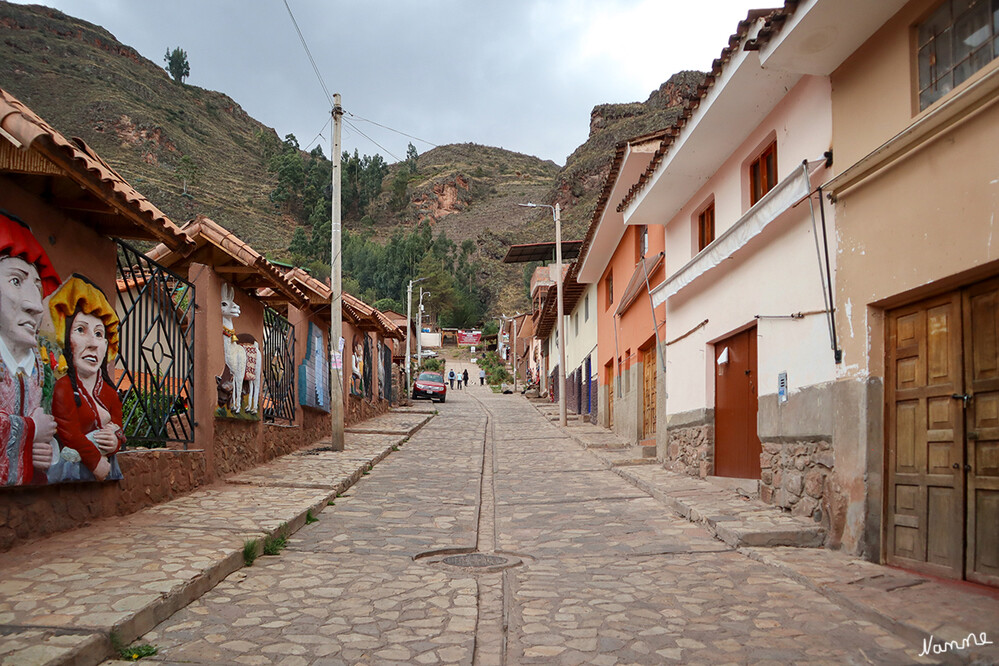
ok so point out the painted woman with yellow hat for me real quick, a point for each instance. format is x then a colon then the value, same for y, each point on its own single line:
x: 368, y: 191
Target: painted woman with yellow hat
x: 85, y: 404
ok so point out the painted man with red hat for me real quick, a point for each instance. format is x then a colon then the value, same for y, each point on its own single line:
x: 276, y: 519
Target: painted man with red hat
x: 26, y: 431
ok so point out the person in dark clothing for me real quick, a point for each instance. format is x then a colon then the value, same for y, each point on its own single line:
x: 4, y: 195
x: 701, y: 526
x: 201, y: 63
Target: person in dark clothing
x: 464, y: 376
x: 450, y: 378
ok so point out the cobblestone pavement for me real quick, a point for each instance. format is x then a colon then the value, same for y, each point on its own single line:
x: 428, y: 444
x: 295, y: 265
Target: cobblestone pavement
x: 585, y: 568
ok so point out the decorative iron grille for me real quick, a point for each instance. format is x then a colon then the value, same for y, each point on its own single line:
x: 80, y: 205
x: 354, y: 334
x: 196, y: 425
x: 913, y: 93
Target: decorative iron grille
x: 278, y: 367
x: 154, y: 371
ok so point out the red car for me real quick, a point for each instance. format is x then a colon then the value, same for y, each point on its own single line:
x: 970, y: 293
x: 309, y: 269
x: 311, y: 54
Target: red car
x: 430, y: 385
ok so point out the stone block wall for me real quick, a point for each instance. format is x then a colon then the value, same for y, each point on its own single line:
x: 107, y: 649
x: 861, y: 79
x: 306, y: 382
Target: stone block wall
x: 150, y: 477
x: 690, y: 450
x: 795, y: 477
x: 359, y: 409
x: 690, y: 443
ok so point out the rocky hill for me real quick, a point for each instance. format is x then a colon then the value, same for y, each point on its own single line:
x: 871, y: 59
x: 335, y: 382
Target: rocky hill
x: 191, y: 150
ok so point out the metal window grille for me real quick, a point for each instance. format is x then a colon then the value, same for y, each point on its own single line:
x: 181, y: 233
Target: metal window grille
x: 154, y: 371
x: 278, y: 367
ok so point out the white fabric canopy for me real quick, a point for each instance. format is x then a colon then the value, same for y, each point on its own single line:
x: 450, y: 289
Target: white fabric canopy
x: 781, y: 198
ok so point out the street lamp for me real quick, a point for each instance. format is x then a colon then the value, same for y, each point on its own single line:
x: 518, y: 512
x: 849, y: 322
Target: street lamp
x: 409, y: 325
x: 419, y: 329
x: 556, y: 212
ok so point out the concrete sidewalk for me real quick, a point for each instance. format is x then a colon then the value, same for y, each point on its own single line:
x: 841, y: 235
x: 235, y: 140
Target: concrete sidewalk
x: 913, y: 607
x: 65, y: 599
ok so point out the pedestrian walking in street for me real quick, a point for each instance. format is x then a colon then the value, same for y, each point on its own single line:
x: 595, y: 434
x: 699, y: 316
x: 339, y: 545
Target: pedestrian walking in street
x: 457, y: 379
x: 450, y: 377
x: 464, y: 377
x: 482, y: 377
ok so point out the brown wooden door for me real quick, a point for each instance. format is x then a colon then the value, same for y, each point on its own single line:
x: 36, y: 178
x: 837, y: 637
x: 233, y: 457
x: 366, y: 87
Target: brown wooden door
x: 981, y: 368
x: 925, y: 521
x: 649, y: 367
x: 611, y: 390
x: 737, y: 445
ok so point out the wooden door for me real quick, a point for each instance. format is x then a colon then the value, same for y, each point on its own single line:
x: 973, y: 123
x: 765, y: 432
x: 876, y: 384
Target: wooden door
x: 981, y: 460
x: 925, y: 435
x: 649, y: 392
x: 737, y: 445
x: 611, y: 390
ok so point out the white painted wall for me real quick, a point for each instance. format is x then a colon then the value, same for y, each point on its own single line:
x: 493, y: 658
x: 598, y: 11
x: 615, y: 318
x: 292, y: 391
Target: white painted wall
x: 777, y: 273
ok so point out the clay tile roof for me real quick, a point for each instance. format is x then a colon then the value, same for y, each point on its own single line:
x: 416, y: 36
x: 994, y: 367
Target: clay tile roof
x: 205, y: 232
x: 78, y: 162
x: 774, y: 21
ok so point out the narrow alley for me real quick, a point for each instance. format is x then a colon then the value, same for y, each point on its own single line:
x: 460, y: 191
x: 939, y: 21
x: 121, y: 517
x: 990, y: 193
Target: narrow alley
x: 491, y: 537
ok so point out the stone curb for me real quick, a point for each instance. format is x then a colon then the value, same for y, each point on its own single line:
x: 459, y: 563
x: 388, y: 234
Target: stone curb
x: 718, y: 524
x: 898, y: 627
x: 98, y: 647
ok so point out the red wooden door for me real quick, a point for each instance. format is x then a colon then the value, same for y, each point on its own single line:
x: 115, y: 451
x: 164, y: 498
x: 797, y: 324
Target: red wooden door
x: 737, y: 445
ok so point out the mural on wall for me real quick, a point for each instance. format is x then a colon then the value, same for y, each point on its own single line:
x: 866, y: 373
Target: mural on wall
x: 60, y: 417
x: 239, y: 383
x: 381, y: 371
x: 385, y: 372
x: 85, y: 403
x: 357, y: 367
x: 367, y: 372
x: 313, y: 373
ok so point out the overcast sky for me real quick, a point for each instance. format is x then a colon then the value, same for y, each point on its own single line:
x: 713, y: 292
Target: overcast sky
x: 517, y: 74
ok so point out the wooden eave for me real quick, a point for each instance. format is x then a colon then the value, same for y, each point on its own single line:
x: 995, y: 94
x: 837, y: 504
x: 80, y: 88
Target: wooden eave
x: 232, y: 259
x: 70, y: 176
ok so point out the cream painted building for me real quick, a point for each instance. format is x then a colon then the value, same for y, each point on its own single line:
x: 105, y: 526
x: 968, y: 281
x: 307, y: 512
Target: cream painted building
x: 916, y: 191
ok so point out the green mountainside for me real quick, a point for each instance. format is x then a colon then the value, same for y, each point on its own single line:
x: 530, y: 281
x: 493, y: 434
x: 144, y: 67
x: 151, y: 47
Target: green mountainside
x: 195, y: 151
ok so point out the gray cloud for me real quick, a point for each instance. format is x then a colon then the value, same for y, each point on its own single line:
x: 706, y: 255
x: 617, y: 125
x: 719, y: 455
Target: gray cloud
x: 519, y: 74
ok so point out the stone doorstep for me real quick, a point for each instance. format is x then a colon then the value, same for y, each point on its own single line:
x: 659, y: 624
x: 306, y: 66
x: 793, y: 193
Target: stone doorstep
x: 144, y: 619
x: 711, y: 512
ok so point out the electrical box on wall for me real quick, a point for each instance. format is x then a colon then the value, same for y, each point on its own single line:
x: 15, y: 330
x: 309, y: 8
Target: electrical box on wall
x: 781, y: 388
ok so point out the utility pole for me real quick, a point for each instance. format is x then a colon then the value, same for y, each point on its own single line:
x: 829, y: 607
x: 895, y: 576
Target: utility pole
x: 419, y: 332
x: 561, y: 317
x: 514, y: 341
x: 409, y: 326
x: 409, y: 318
x: 336, y: 283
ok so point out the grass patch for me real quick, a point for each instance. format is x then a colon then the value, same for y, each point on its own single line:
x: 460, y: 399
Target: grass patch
x: 331, y: 503
x: 309, y: 518
x: 273, y: 545
x: 249, y: 552
x: 137, y: 652
x: 133, y: 653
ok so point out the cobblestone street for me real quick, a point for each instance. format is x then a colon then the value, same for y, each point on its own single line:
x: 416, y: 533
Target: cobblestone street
x: 585, y: 568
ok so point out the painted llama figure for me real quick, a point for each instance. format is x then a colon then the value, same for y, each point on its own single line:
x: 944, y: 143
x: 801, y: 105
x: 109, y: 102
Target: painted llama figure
x: 242, y: 357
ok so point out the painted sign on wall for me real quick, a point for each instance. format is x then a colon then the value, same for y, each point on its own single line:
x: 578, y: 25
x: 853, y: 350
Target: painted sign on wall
x: 313, y: 373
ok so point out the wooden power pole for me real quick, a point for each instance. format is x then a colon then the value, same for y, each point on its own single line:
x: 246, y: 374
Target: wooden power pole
x: 336, y: 283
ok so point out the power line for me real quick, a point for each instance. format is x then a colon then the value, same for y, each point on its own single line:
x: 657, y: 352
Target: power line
x: 347, y: 122
x: 309, y: 54
x: 429, y: 143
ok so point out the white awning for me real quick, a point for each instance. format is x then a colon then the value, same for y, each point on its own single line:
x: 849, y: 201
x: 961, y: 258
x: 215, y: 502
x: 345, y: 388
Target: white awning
x: 781, y: 198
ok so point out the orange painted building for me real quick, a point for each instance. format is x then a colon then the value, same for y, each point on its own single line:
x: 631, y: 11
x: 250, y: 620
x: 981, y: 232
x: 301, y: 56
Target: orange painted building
x: 627, y: 361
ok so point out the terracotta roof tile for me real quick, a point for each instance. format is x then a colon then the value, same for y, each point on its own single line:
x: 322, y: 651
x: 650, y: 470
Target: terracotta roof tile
x: 85, y: 167
x: 203, y: 231
x: 774, y: 21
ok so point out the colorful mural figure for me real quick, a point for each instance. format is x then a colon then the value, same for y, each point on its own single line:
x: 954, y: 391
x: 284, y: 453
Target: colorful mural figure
x: 239, y: 383
x: 368, y: 368
x: 381, y: 372
x: 26, y: 430
x: 313, y: 373
x: 357, y: 368
x: 85, y: 403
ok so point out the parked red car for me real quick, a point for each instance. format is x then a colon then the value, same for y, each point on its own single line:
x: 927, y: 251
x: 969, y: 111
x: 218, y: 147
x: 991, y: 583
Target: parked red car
x: 430, y: 385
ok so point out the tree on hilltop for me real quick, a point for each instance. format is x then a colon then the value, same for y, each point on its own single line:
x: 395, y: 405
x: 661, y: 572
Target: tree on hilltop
x: 177, y: 65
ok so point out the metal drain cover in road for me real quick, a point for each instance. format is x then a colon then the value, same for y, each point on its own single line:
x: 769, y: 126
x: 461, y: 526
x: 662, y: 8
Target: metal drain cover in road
x: 475, y: 560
